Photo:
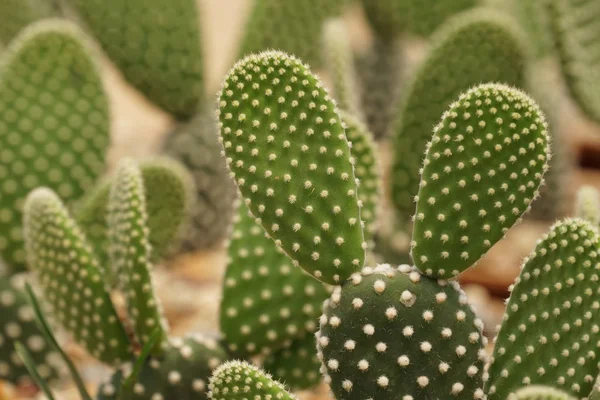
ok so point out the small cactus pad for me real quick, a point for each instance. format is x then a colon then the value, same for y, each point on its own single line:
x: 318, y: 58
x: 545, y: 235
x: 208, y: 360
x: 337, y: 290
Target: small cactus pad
x: 395, y: 334
x: 296, y: 366
x: 156, y: 45
x: 238, y: 380
x: 587, y: 206
x: 168, y: 192
x: 180, y: 373
x: 536, y: 392
x: 54, y: 125
x: 549, y: 333
x: 17, y: 324
x: 287, y: 150
x: 481, y: 172
x: 195, y: 145
x: 471, y: 48
x: 367, y: 170
x: 337, y: 54
x: 421, y: 17
x: 267, y: 302
x: 577, y: 36
x: 70, y: 278
x: 17, y: 14
x: 130, y: 252
x: 289, y: 25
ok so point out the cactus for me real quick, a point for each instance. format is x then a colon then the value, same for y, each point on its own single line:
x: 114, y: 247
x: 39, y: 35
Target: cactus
x: 181, y: 372
x: 547, y: 334
x: 297, y: 365
x: 576, y: 35
x: 536, y: 392
x: 289, y: 25
x: 17, y: 14
x: 157, y: 47
x: 55, y: 128
x: 392, y: 18
x: 168, y: 191
x: 195, y: 146
x: 267, y: 302
x: 391, y: 333
x: 235, y: 379
x: 485, y: 163
x: 18, y: 324
x: 587, y: 206
x: 473, y: 47
x: 259, y: 152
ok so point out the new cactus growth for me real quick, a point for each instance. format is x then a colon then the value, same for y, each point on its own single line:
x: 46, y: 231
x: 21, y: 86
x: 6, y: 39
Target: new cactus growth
x: 55, y: 127
x: 236, y: 379
x: 471, y: 48
x: 548, y: 333
x: 536, y: 392
x: 392, y: 333
x: 587, y: 205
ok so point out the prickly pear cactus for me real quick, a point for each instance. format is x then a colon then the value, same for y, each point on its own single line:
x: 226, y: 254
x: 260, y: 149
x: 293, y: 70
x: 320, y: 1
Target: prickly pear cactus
x: 17, y: 14
x: 54, y: 128
x: 391, y: 18
x: 267, y: 302
x: 156, y: 45
x: 548, y: 333
x: 587, y: 206
x: 195, y: 145
x: 576, y: 34
x: 393, y: 333
x: 471, y: 48
x: 286, y: 148
x: 181, y: 372
x: 70, y: 277
x: 130, y: 253
x: 289, y: 25
x: 537, y: 392
x: 17, y: 323
x: 482, y: 170
x: 235, y: 380
x: 297, y: 366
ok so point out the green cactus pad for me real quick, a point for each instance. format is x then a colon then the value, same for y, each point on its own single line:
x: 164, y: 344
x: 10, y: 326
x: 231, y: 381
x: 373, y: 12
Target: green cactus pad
x: 587, y: 206
x: 549, y: 333
x: 69, y: 275
x: 130, y: 252
x: 389, y: 18
x: 181, y: 372
x: 367, y: 170
x: 54, y: 125
x: 481, y: 172
x: 267, y: 302
x: 289, y: 25
x: 236, y: 380
x: 296, y: 366
x: 17, y: 14
x: 168, y: 191
x: 287, y: 150
x: 17, y: 324
x: 471, y: 48
x: 576, y: 34
x: 156, y: 45
x: 536, y: 392
x: 395, y: 334
x: 339, y: 62
x: 195, y: 146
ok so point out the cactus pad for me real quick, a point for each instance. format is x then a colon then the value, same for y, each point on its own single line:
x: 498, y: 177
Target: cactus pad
x: 267, y: 302
x: 481, y: 172
x: 130, y: 252
x: 17, y: 14
x: 54, y: 126
x: 69, y: 275
x: 536, y: 392
x: 471, y: 48
x: 237, y: 380
x: 181, y: 372
x: 156, y: 45
x: 587, y: 206
x: 393, y: 333
x: 548, y: 335
x: 287, y: 150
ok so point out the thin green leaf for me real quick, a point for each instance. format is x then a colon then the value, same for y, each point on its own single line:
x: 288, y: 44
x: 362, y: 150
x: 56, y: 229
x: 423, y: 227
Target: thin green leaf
x: 30, y: 365
x: 127, y: 386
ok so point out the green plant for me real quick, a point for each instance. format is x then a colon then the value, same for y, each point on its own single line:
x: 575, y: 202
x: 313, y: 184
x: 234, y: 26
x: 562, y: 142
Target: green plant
x: 17, y: 14
x: 587, y: 205
x: 535, y: 392
x: 54, y: 128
